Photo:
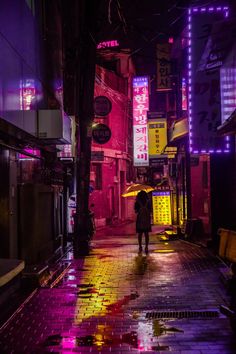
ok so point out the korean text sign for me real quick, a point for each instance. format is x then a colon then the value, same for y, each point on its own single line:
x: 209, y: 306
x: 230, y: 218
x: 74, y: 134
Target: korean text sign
x: 140, y: 131
x: 161, y: 208
x: 204, y: 82
x: 157, y: 136
x: 163, y: 67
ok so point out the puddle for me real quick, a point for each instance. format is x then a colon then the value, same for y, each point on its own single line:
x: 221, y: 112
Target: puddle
x: 160, y: 347
x: 164, y: 251
x: 82, y: 269
x: 85, y: 341
x: 105, y: 256
x: 85, y: 285
x: 87, y: 291
x: 159, y: 329
x: 141, y: 265
x: 53, y: 340
x: 104, y: 336
x: 135, y: 315
x: 99, y: 340
x: 84, y: 296
x: 117, y: 306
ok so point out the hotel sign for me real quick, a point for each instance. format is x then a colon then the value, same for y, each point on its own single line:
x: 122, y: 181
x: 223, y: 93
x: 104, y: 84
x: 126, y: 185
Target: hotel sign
x: 108, y: 44
x: 140, y: 131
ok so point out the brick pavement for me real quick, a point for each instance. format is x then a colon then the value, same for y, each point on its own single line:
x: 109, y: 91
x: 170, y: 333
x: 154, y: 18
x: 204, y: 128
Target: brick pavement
x: 117, y: 301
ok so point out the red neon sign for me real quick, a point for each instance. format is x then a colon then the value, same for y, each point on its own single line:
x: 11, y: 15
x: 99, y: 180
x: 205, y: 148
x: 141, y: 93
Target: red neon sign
x: 108, y: 44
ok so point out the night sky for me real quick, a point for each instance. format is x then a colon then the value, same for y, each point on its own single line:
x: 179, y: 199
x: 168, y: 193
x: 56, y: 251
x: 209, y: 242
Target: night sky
x: 140, y: 25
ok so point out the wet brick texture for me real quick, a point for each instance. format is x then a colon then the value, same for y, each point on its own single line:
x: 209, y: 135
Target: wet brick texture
x: 102, y: 302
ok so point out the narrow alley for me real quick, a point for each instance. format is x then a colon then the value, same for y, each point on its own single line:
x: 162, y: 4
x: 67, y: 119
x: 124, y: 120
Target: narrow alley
x: 118, y: 301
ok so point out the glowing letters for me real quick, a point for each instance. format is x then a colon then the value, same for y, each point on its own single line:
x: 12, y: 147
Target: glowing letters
x: 140, y: 131
x: 108, y: 44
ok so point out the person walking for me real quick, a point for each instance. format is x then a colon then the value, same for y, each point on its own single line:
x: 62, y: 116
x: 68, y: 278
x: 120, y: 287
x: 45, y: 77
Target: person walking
x: 143, y: 222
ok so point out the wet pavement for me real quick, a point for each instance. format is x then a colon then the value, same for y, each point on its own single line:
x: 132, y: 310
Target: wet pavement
x: 118, y: 301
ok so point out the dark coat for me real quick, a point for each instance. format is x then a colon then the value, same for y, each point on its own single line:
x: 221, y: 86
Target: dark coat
x: 143, y: 221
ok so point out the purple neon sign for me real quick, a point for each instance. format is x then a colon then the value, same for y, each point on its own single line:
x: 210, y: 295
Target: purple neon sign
x: 204, y: 89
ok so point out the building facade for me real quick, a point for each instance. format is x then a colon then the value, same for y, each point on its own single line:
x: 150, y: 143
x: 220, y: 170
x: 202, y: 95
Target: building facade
x: 32, y: 123
x: 114, y: 172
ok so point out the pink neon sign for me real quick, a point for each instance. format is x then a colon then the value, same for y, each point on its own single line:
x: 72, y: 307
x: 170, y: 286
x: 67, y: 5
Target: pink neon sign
x: 108, y: 44
x: 32, y: 152
x: 184, y: 95
x: 27, y: 94
x: 140, y: 131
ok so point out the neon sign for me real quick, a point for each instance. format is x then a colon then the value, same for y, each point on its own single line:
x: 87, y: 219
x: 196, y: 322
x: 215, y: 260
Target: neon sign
x: 140, y: 130
x: 204, y: 89
x: 31, y: 153
x: 227, y: 86
x: 27, y: 94
x: 184, y: 95
x: 108, y: 44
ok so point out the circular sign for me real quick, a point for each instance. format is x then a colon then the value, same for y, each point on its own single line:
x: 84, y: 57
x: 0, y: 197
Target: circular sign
x: 102, y: 106
x: 101, y: 133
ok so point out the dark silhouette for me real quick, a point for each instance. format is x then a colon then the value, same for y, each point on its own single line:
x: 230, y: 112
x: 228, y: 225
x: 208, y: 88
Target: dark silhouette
x: 143, y: 223
x: 91, y: 222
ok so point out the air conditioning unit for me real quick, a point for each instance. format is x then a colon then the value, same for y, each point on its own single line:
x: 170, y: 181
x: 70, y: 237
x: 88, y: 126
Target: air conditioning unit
x: 51, y: 126
x: 54, y: 126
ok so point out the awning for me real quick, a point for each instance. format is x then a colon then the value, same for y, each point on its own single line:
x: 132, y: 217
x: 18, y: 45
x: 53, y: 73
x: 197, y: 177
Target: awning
x: 229, y: 126
x: 179, y: 129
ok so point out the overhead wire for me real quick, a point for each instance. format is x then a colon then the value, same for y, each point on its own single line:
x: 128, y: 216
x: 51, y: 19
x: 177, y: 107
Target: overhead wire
x: 109, y: 12
x: 126, y: 26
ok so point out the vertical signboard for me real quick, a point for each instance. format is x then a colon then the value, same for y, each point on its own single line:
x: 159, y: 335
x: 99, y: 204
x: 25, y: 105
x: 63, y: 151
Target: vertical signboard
x: 27, y: 94
x: 204, y: 61
x: 157, y: 136
x: 140, y: 132
x: 228, y: 86
x: 184, y: 104
x: 163, y: 67
x: 161, y: 208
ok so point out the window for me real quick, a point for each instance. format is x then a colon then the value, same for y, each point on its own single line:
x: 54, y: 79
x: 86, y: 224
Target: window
x: 97, y: 169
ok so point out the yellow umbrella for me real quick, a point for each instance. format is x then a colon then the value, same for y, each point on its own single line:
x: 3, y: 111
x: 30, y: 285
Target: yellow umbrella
x: 134, y: 189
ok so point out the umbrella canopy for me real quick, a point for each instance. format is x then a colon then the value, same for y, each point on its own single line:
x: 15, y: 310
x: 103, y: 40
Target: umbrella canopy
x: 134, y: 189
